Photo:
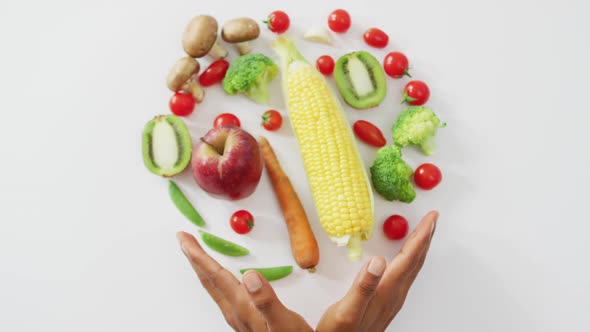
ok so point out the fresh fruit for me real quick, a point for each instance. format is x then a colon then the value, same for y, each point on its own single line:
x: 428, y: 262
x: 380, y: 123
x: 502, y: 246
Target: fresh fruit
x: 396, y: 65
x: 416, y: 93
x: 376, y: 37
x: 241, y: 222
x: 303, y: 243
x: 226, y: 119
x: 272, y: 120
x: 325, y: 64
x: 223, y: 246
x: 214, y: 73
x: 339, y: 21
x: 227, y: 163
x: 391, y: 175
x: 250, y: 75
x: 336, y: 174
x: 369, y: 133
x: 416, y: 125
x: 278, y: 21
x: 184, y: 205
x: 182, y: 104
x: 318, y: 35
x: 166, y: 145
x: 360, y: 80
x: 427, y: 176
x: 271, y: 273
x: 395, y: 227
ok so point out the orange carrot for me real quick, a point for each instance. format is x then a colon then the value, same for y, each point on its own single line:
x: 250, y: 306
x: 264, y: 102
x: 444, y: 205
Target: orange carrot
x: 303, y: 243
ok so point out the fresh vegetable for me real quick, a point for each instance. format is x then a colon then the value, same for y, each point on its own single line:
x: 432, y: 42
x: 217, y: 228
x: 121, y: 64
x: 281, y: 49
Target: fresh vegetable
x: 166, y: 145
x: 182, y: 103
x: 277, y: 21
x: 183, y: 76
x: 396, y: 65
x: 223, y: 246
x: 335, y: 171
x: 369, y: 133
x: 272, y: 120
x: 376, y: 37
x: 427, y: 176
x: 416, y: 93
x: 395, y: 227
x: 303, y: 243
x: 318, y: 35
x: 360, y: 80
x: 416, y: 125
x: 391, y: 175
x: 241, y: 222
x: 339, y: 21
x: 183, y: 204
x: 240, y: 31
x: 250, y: 75
x: 200, y: 38
x: 272, y: 273
x: 224, y: 119
x: 214, y: 73
x: 325, y: 64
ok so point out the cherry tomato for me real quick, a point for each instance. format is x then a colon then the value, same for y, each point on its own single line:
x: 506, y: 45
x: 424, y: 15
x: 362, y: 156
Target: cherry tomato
x: 226, y: 119
x: 395, y: 227
x: 182, y: 104
x: 376, y: 38
x: 325, y: 64
x: 339, y: 21
x: 272, y: 120
x: 396, y: 65
x: 278, y: 21
x: 241, y: 222
x: 214, y: 73
x: 427, y: 176
x: 416, y: 93
x: 369, y: 133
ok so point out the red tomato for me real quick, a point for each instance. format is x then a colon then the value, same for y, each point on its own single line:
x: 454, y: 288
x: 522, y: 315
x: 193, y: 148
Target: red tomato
x: 278, y: 21
x: 416, y: 93
x: 339, y: 21
x: 226, y: 119
x: 369, y: 133
x: 396, y: 65
x: 241, y: 222
x: 427, y: 176
x: 396, y: 227
x: 272, y: 120
x: 325, y: 64
x: 376, y: 38
x: 182, y: 104
x: 214, y: 73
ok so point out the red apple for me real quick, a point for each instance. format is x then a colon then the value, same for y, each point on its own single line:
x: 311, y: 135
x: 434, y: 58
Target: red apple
x: 227, y: 163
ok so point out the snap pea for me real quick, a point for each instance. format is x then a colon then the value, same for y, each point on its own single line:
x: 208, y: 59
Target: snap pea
x: 223, y: 246
x: 183, y: 204
x: 272, y: 273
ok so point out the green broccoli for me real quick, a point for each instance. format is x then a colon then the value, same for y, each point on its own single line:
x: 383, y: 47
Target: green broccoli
x: 416, y: 125
x: 250, y: 75
x: 391, y: 175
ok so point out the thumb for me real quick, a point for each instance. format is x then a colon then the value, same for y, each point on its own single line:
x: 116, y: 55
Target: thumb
x: 264, y: 298
x: 363, y: 289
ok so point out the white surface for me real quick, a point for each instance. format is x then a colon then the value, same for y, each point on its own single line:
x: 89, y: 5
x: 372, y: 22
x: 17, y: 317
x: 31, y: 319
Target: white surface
x: 87, y: 234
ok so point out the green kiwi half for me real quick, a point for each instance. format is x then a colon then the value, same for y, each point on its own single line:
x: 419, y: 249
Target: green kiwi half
x: 360, y: 80
x: 166, y: 145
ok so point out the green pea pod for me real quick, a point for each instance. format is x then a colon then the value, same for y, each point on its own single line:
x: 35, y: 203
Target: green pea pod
x: 183, y: 204
x: 223, y: 246
x: 272, y: 273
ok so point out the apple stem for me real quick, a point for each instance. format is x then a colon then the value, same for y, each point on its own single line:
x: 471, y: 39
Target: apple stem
x: 213, y: 147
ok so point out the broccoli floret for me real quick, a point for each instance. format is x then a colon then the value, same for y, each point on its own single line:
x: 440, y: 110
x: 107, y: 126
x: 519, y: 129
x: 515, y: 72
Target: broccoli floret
x: 416, y: 125
x: 250, y: 75
x: 391, y: 175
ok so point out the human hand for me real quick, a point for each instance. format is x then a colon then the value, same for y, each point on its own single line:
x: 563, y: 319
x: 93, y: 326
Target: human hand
x: 248, y: 306
x: 379, y: 291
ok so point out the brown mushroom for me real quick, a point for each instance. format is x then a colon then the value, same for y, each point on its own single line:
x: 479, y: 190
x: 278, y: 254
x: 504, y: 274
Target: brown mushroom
x: 240, y: 31
x: 200, y: 38
x: 183, y: 76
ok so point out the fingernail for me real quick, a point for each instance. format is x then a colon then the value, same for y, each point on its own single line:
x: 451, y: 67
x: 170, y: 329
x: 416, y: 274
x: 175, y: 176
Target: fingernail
x: 252, y: 281
x: 434, y: 225
x: 376, y: 267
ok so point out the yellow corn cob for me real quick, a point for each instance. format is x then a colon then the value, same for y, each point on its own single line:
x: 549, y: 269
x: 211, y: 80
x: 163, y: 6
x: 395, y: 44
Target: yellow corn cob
x: 336, y: 174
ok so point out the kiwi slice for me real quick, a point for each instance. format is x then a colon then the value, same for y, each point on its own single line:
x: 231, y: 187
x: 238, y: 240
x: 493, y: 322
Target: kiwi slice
x: 167, y: 145
x: 360, y: 79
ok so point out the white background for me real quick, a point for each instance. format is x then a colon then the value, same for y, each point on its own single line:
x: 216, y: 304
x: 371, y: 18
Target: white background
x: 87, y: 235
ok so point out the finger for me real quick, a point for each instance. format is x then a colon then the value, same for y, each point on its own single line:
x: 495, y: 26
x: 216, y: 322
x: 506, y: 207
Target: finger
x: 264, y: 298
x: 357, y: 298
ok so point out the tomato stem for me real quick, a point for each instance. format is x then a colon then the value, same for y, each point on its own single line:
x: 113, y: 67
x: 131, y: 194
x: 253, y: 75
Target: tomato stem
x: 406, y: 72
x: 407, y: 99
